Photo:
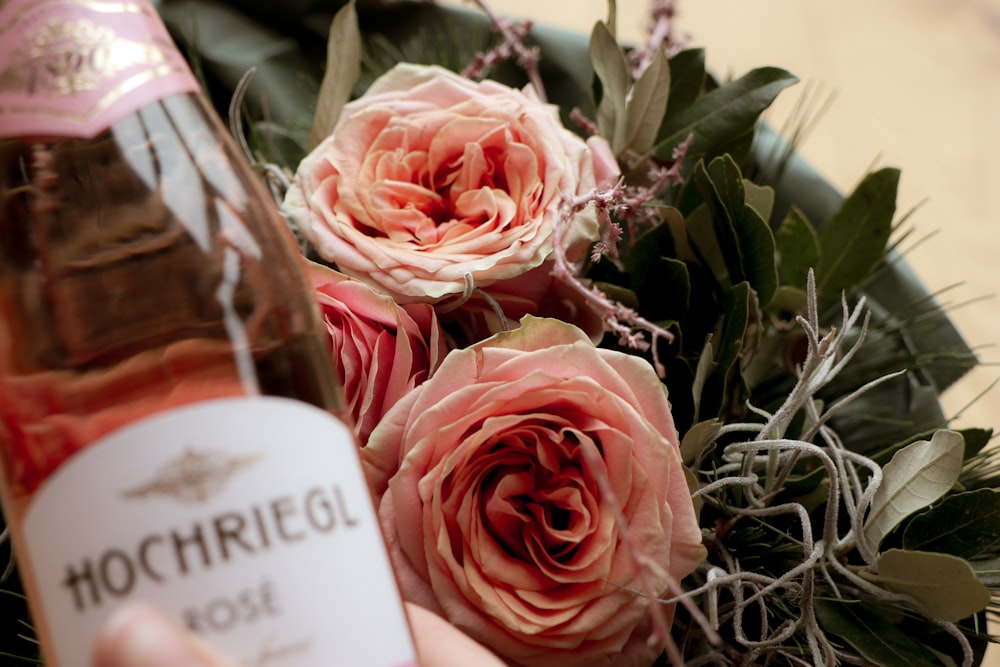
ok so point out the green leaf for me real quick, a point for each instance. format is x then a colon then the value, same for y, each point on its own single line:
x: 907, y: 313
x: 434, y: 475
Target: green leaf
x: 798, y: 248
x: 727, y: 178
x: 651, y: 245
x: 917, y: 475
x: 760, y: 198
x: 853, y: 241
x: 987, y: 571
x: 719, y: 187
x: 724, y: 114
x: 611, y: 70
x: 944, y: 584
x: 728, y: 349
x: 697, y: 438
x: 705, y: 244
x: 734, y: 328
x: 703, y: 371
x: 661, y: 282
x: 872, y: 635
x: 757, y: 253
x: 974, y: 438
x: 343, y: 64
x: 744, y: 237
x: 666, y: 290
x: 687, y: 76
x: 646, y: 105
x: 789, y: 299
x: 966, y: 525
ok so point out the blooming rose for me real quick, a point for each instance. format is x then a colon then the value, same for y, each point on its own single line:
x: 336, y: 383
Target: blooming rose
x: 494, y: 517
x: 382, y: 350
x: 430, y: 177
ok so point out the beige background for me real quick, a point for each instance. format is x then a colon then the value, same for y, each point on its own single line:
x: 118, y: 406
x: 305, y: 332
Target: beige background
x: 916, y: 84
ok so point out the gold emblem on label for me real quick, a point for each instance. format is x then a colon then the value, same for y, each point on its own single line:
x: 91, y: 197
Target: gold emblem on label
x: 65, y: 58
x: 193, y: 477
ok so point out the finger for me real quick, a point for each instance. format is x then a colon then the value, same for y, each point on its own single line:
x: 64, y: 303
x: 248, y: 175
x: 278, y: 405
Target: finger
x: 440, y: 644
x: 138, y: 635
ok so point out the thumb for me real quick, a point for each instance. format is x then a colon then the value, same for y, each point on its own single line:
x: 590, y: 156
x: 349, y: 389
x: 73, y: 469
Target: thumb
x: 138, y: 635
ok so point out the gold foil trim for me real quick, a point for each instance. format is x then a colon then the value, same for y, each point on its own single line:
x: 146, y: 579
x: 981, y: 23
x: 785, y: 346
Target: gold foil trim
x: 193, y: 477
x: 65, y: 58
x: 110, y: 98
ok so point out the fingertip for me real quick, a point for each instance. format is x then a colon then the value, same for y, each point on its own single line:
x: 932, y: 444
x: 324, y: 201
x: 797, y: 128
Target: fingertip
x: 441, y: 644
x: 139, y: 635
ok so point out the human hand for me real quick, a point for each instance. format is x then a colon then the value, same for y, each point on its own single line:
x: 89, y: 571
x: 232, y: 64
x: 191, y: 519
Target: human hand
x: 142, y: 636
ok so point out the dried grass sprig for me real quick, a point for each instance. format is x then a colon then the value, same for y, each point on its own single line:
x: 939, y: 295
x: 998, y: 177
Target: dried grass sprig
x: 745, y: 482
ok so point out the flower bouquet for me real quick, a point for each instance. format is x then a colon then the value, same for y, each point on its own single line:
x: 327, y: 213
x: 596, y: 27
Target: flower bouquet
x: 633, y: 384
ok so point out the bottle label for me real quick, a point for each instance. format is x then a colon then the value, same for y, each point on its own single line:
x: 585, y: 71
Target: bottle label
x: 248, y: 519
x: 72, y: 68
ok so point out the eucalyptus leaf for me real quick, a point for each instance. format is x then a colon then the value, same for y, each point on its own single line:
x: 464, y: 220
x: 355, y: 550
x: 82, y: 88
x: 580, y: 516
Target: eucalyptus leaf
x: 739, y: 147
x: 613, y: 17
x: 872, y: 635
x: 646, y: 105
x: 611, y: 70
x: 698, y: 438
x: 945, y: 585
x: 648, y: 247
x: 343, y: 64
x: 757, y: 248
x: 672, y: 218
x: 665, y: 292
x: 687, y: 77
x: 738, y: 307
x: 759, y: 197
x: 966, y: 525
x: 854, y: 240
x: 790, y: 299
x: 727, y: 180
x: 744, y: 237
x: 703, y: 371
x: 661, y: 282
x: 739, y: 303
x: 724, y: 114
x: 721, y: 188
x: 974, y: 440
x: 705, y: 244
x: 917, y: 475
x: 798, y: 248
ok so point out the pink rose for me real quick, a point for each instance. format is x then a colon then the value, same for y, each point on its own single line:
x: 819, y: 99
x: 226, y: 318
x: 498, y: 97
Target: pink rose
x: 495, y: 520
x: 382, y: 351
x: 430, y: 177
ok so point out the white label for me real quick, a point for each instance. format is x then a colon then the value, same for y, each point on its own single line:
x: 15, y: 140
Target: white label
x: 247, y: 519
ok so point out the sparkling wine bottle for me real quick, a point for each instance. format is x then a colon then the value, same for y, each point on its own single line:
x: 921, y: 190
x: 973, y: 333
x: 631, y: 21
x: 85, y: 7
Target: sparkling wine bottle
x: 170, y: 426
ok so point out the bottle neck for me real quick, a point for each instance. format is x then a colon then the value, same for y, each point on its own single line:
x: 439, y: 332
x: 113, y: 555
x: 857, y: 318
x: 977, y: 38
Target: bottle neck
x: 72, y: 69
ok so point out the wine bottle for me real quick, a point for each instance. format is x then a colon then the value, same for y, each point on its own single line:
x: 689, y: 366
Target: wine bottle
x: 170, y: 426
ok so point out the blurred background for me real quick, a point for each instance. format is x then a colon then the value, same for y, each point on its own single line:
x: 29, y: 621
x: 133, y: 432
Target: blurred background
x: 908, y: 83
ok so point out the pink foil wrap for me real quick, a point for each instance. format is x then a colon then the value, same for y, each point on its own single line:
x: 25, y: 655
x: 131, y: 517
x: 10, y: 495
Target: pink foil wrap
x: 71, y: 68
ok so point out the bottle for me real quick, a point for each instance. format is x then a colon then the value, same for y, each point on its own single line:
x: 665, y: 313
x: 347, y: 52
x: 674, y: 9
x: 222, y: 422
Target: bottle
x: 170, y: 426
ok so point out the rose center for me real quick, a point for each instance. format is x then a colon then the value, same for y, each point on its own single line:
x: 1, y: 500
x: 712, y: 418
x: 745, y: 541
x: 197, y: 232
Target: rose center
x: 536, y: 496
